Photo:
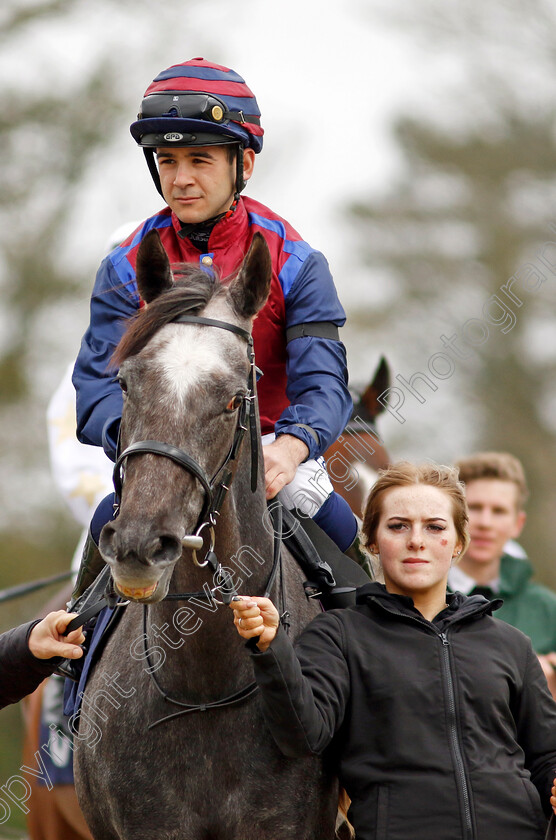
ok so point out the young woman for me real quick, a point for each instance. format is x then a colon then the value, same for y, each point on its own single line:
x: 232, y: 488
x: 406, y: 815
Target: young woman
x: 437, y: 714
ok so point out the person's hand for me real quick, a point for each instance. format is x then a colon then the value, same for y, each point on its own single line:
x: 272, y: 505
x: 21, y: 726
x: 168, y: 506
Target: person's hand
x: 553, y: 797
x: 46, y: 639
x: 281, y: 460
x: 255, y: 616
x: 548, y: 664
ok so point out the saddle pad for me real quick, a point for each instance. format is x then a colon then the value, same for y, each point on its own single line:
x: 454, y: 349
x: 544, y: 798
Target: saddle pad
x: 106, y: 621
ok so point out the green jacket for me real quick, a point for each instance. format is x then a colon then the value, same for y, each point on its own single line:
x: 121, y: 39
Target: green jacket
x: 529, y: 606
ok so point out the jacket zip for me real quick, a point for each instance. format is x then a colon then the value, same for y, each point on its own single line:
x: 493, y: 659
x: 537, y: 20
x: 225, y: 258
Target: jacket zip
x: 454, y: 736
x: 453, y: 732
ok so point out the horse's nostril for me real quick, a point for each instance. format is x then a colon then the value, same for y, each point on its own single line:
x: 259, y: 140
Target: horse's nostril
x: 165, y: 548
x: 130, y: 545
x: 106, y: 541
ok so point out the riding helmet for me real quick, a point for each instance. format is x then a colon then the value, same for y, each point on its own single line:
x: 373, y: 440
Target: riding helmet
x: 198, y: 103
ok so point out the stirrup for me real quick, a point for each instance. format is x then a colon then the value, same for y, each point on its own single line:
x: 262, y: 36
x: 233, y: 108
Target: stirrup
x: 90, y: 567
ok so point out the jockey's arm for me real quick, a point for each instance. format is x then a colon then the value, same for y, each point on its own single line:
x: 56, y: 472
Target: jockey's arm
x: 320, y: 403
x: 99, y: 398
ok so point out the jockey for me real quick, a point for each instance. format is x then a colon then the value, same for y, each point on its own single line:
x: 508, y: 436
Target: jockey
x: 199, y: 128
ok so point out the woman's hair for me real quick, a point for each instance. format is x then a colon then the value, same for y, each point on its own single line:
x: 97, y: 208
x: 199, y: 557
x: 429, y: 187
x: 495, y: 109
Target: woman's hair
x: 498, y: 465
x: 405, y: 474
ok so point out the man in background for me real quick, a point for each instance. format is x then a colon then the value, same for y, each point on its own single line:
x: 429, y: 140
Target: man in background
x: 493, y: 565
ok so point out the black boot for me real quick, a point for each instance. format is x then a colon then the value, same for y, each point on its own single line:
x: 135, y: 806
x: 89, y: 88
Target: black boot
x: 91, y: 566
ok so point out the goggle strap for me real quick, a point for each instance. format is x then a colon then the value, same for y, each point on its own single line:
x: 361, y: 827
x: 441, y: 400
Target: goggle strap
x: 239, y: 116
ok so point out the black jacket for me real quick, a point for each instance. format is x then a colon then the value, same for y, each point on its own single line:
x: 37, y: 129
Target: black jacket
x: 441, y: 730
x: 20, y: 671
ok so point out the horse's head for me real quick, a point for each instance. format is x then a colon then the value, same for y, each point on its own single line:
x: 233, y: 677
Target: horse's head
x: 185, y: 386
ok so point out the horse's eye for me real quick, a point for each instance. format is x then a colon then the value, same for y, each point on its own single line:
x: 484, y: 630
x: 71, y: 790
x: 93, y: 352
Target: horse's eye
x: 235, y: 403
x: 123, y: 384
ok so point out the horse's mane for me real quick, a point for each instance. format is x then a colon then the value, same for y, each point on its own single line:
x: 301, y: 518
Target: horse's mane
x: 192, y: 290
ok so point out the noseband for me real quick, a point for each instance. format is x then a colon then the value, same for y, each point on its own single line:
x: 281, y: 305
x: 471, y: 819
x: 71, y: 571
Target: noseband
x: 214, y: 491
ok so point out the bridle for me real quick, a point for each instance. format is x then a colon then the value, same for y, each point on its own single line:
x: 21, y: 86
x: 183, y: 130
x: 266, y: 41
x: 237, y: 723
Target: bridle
x: 215, y: 488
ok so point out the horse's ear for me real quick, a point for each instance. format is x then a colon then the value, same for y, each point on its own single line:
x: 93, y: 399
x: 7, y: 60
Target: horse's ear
x: 380, y: 383
x: 249, y: 290
x: 152, y: 267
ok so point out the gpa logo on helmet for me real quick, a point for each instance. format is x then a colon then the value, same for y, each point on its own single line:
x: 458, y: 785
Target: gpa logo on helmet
x: 173, y: 136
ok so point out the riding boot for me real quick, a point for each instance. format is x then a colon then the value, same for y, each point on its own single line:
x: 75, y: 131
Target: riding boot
x: 89, y: 569
x: 357, y: 552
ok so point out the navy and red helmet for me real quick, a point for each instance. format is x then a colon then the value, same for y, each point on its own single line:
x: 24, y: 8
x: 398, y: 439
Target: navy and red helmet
x: 198, y: 103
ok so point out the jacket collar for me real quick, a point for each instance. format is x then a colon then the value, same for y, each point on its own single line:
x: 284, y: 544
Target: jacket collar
x: 460, y: 607
x: 515, y: 573
x: 225, y: 232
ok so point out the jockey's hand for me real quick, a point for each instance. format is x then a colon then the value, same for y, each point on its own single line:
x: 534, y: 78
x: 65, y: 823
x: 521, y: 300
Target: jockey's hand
x: 46, y: 639
x: 553, y: 797
x: 548, y: 664
x: 255, y: 616
x: 281, y: 460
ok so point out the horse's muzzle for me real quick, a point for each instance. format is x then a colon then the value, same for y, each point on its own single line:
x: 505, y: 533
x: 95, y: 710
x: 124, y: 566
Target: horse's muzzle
x: 141, y: 564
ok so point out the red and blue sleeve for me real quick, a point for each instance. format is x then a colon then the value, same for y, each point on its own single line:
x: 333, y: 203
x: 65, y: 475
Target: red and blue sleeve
x: 99, y: 399
x: 320, y: 403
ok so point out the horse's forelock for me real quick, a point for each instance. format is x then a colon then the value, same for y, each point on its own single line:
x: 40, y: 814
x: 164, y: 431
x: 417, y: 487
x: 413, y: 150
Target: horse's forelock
x: 193, y: 289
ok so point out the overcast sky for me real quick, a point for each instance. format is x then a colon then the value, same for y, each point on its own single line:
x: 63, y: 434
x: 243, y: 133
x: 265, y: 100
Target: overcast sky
x: 328, y: 82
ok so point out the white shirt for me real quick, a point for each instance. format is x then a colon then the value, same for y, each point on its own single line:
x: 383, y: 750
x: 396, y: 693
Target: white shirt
x: 460, y: 581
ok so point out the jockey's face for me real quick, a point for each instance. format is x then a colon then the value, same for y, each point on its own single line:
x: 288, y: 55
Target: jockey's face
x: 198, y: 182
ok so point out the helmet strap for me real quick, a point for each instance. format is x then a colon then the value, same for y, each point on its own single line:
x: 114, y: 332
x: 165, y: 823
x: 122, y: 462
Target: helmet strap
x: 240, y: 183
x: 153, y: 169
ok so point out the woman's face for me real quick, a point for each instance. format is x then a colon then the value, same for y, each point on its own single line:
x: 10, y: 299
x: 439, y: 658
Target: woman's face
x: 416, y: 540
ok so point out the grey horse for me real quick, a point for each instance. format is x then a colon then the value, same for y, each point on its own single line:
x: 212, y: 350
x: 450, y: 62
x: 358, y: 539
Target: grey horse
x: 172, y: 744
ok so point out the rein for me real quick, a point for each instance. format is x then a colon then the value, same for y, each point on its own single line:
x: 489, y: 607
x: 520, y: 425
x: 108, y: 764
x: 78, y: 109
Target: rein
x: 243, y: 693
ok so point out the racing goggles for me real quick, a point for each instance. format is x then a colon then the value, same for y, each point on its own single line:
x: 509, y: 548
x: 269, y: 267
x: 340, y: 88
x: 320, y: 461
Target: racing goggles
x: 192, y: 106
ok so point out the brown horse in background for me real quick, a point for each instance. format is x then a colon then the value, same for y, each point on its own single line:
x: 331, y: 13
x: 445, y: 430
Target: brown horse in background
x: 353, y: 460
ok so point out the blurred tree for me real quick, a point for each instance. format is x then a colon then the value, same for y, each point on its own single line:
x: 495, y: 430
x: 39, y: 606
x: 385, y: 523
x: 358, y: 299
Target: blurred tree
x: 52, y: 126
x: 459, y: 249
